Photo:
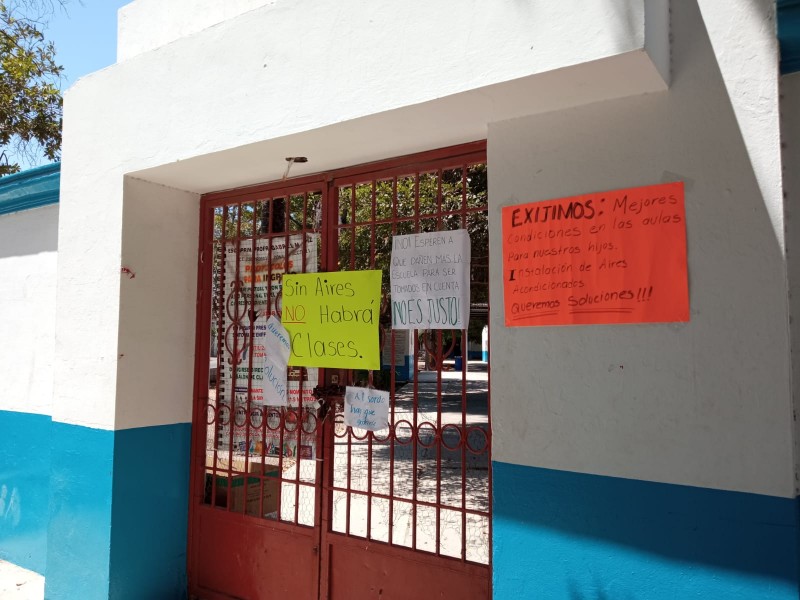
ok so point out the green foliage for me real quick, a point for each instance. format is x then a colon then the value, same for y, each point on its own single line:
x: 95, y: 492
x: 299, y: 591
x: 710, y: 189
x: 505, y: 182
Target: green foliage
x: 429, y: 203
x: 30, y: 98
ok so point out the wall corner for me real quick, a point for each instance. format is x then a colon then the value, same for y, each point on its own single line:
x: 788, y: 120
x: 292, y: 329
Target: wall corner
x: 657, y: 36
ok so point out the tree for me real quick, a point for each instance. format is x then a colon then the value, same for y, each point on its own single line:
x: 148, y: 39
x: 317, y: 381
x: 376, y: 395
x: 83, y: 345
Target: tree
x: 30, y: 97
x: 433, y: 202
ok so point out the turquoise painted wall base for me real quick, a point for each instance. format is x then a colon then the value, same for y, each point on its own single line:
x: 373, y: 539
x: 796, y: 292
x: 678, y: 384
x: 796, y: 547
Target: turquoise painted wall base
x: 24, y: 489
x: 562, y: 535
x: 101, y: 514
x: 118, y: 513
x: 150, y: 512
x: 79, y: 533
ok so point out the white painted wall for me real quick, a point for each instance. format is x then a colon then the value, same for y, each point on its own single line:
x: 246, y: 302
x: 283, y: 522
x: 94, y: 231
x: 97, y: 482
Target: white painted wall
x: 28, y: 242
x: 88, y: 282
x: 157, y: 305
x: 706, y: 403
x: 206, y: 100
x: 147, y: 24
x: 249, y: 80
x: 790, y: 137
x: 222, y: 107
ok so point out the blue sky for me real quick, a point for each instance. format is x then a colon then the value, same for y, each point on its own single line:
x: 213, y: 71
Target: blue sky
x: 85, y: 35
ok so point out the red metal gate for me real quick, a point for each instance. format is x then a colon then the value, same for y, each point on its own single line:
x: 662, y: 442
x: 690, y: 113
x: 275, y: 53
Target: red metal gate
x: 288, y: 502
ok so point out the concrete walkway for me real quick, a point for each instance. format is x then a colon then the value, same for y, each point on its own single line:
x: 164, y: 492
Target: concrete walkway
x: 17, y: 583
x: 459, y: 478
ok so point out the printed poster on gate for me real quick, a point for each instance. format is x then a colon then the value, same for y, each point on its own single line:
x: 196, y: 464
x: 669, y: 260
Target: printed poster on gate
x: 259, y: 300
x: 270, y: 263
x: 264, y: 437
x: 250, y: 436
x: 259, y: 289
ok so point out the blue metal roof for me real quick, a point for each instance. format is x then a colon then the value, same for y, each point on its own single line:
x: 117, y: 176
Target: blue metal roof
x: 789, y: 34
x: 30, y: 189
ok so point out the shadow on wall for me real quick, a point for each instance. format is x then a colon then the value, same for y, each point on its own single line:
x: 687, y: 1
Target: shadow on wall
x: 626, y: 20
x: 575, y: 593
x: 29, y: 232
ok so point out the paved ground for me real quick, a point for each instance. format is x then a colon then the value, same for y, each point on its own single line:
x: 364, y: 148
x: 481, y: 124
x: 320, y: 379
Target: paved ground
x: 17, y: 583
x: 417, y: 468
x: 407, y: 471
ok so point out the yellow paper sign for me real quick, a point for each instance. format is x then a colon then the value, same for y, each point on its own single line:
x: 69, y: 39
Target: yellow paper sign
x: 332, y: 319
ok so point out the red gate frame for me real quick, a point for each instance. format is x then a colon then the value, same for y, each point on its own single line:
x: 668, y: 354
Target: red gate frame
x: 434, y: 576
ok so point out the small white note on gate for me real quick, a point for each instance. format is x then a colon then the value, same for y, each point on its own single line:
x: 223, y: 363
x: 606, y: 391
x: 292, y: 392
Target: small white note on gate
x: 365, y: 408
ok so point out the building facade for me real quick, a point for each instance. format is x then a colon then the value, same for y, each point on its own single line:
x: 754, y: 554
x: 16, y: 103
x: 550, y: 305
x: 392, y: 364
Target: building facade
x: 652, y: 460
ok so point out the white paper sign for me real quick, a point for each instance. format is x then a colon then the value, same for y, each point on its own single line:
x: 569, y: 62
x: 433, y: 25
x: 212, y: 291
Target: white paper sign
x: 430, y: 280
x: 275, y: 384
x: 239, y: 342
x: 277, y: 342
x: 365, y: 408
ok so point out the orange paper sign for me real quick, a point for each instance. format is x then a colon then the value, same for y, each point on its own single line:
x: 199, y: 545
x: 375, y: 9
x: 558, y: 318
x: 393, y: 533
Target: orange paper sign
x: 608, y: 257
